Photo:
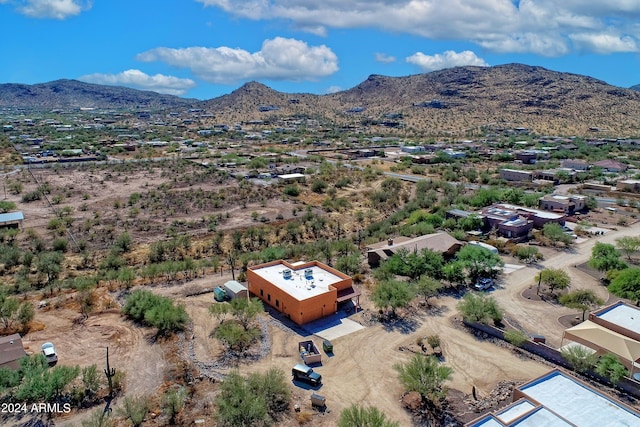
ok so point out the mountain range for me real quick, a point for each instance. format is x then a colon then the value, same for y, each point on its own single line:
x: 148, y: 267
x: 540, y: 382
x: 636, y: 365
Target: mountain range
x: 457, y: 101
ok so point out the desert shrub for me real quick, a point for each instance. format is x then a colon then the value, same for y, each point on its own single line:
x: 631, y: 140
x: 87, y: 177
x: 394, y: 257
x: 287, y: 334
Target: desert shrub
x: 32, y: 196
x: 292, y: 190
x: 480, y: 308
x: 610, y: 367
x: 425, y: 375
x: 356, y: 416
x: 134, y: 409
x: 581, y: 359
x: 259, y: 399
x: 515, y: 337
x: 157, y: 311
x: 173, y: 401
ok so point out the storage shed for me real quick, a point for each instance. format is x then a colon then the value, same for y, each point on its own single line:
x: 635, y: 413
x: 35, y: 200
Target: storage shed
x: 11, y: 220
x: 235, y: 289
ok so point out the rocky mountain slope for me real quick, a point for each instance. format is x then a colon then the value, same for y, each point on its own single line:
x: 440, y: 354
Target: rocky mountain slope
x: 459, y: 101
x: 75, y: 94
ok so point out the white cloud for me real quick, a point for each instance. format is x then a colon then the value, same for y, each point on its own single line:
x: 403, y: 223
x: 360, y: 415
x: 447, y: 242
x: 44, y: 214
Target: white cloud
x: 278, y: 59
x: 604, y: 43
x: 333, y: 89
x: 52, y: 9
x: 446, y: 59
x: 545, y: 27
x: 384, y: 58
x: 136, y: 79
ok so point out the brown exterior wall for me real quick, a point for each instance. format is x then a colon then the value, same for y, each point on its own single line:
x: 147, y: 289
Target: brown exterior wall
x: 299, y: 311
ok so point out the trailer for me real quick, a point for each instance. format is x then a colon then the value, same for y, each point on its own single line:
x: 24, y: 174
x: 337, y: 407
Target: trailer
x: 309, y: 352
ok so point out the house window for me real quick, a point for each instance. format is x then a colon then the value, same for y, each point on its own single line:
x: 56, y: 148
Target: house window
x: 277, y: 303
x: 269, y: 297
x: 261, y: 293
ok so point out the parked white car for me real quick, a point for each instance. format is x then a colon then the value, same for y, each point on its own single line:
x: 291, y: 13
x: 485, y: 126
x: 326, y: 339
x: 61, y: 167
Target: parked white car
x: 49, y: 353
x: 483, y: 284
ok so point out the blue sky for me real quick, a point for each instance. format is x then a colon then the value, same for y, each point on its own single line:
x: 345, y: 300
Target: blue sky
x: 206, y: 48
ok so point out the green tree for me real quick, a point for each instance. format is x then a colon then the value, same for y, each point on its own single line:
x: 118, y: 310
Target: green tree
x: 581, y: 358
x: 50, y: 265
x: 555, y: 233
x: 610, y: 367
x: 453, y: 272
x: 235, y: 337
x: 581, y: 299
x: 626, y: 284
x: 12, y: 311
x: 219, y: 311
x: 605, y: 257
x: 425, y: 375
x: 427, y: 288
x: 245, y: 310
x: 237, y: 406
x: 359, y: 416
x: 628, y: 245
x: 391, y: 294
x: 173, y: 401
x: 41, y: 383
x: 479, y: 261
x: 480, y: 308
x: 553, y: 279
x: 274, y: 388
x: 349, y: 264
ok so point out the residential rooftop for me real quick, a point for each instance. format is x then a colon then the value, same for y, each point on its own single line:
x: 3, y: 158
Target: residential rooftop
x: 300, y: 285
x: 577, y: 403
x: 623, y: 315
x: 558, y: 400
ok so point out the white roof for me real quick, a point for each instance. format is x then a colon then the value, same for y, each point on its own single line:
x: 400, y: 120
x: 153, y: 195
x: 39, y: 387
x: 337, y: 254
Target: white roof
x: 537, y: 212
x: 577, y: 404
x: 514, y: 411
x: 622, y: 315
x: 291, y: 176
x: 298, y: 286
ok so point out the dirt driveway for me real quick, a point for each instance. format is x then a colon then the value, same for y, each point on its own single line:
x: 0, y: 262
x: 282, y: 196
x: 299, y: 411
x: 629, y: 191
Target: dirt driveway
x: 85, y: 344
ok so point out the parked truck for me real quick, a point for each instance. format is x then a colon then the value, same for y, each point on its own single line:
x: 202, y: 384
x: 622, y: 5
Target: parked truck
x: 309, y: 352
x: 304, y: 373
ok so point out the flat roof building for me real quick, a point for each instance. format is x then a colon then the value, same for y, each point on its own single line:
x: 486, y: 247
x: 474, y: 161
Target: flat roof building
x: 557, y: 400
x: 613, y: 329
x: 619, y: 317
x: 304, y: 291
